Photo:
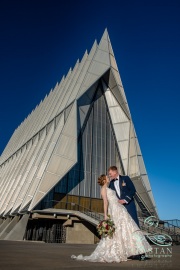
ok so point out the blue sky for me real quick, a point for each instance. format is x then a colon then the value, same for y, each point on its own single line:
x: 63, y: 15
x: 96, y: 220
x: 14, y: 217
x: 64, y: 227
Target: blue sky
x: 41, y: 39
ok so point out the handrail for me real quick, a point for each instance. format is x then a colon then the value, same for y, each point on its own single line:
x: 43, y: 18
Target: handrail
x: 172, y: 221
x: 73, y: 206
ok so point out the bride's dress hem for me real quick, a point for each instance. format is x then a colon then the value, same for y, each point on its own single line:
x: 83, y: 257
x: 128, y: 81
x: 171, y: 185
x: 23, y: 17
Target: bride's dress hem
x: 128, y: 239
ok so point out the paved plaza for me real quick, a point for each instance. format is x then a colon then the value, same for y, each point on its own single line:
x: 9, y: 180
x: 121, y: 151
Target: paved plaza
x: 38, y: 255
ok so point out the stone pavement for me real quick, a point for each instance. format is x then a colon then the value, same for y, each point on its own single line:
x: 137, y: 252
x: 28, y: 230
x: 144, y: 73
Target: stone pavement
x: 26, y: 255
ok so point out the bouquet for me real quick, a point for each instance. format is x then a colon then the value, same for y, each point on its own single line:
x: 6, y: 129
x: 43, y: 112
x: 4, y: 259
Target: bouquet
x: 106, y: 227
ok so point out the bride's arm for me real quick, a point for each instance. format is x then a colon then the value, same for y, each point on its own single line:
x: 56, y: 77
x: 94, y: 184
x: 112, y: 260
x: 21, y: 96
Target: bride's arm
x: 105, y: 200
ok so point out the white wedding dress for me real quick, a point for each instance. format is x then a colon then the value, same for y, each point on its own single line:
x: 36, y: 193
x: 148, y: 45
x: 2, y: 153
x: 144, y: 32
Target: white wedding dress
x: 127, y: 240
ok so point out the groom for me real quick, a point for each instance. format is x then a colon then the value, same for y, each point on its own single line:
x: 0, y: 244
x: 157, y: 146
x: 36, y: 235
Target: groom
x: 125, y: 191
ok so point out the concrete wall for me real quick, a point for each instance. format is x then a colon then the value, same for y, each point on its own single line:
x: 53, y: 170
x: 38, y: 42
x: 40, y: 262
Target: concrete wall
x: 18, y: 231
x: 9, y: 227
x: 5, y: 223
x: 1, y: 221
x: 78, y: 233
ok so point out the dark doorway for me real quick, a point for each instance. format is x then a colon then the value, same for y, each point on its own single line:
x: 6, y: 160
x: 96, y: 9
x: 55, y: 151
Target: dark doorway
x: 47, y: 230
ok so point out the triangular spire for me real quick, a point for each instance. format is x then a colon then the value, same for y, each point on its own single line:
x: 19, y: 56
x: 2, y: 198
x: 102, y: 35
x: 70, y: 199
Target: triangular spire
x: 45, y: 146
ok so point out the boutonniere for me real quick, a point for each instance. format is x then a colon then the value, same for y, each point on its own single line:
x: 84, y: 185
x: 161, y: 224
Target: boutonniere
x: 123, y: 184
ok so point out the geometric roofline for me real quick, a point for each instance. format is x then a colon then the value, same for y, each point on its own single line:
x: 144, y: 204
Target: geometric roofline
x: 60, y: 107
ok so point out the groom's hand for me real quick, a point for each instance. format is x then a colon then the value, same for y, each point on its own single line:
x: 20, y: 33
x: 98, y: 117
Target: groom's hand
x: 122, y: 201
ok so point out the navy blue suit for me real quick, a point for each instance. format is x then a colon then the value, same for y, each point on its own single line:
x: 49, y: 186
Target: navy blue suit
x: 128, y: 191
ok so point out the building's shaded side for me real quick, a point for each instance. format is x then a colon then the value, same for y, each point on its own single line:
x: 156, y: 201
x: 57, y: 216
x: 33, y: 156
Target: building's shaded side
x: 97, y: 150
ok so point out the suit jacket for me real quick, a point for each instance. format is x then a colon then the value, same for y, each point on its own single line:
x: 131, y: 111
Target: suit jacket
x: 126, y: 187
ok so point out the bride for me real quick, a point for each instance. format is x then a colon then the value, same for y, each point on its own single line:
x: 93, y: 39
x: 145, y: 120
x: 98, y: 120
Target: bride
x: 127, y: 240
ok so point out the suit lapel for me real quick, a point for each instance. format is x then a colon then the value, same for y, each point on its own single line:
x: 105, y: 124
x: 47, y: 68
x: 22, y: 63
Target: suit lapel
x: 120, y: 182
x: 113, y: 186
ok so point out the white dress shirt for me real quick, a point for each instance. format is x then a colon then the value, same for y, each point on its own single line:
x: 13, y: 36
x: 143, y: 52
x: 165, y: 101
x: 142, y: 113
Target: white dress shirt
x: 116, y: 185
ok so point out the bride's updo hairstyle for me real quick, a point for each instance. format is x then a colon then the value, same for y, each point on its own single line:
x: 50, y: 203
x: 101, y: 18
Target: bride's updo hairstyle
x: 101, y: 179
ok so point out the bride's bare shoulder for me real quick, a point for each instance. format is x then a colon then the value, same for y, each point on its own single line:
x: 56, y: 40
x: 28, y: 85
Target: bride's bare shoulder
x: 103, y: 191
x: 103, y: 188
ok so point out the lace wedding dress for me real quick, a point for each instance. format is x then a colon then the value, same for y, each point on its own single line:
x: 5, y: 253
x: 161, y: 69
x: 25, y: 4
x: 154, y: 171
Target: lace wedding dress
x: 127, y: 240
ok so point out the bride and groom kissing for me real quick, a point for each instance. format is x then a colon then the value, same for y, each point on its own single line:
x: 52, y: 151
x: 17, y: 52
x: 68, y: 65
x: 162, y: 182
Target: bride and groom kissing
x: 128, y: 242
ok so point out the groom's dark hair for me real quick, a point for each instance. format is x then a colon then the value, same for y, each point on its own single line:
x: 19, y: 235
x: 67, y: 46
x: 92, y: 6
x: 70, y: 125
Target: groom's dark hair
x: 112, y: 168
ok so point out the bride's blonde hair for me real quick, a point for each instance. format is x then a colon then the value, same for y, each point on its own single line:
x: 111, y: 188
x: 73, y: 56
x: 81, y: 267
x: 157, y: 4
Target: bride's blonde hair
x: 101, y: 179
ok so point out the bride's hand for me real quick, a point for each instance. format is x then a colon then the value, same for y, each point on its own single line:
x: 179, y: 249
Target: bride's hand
x: 105, y: 217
